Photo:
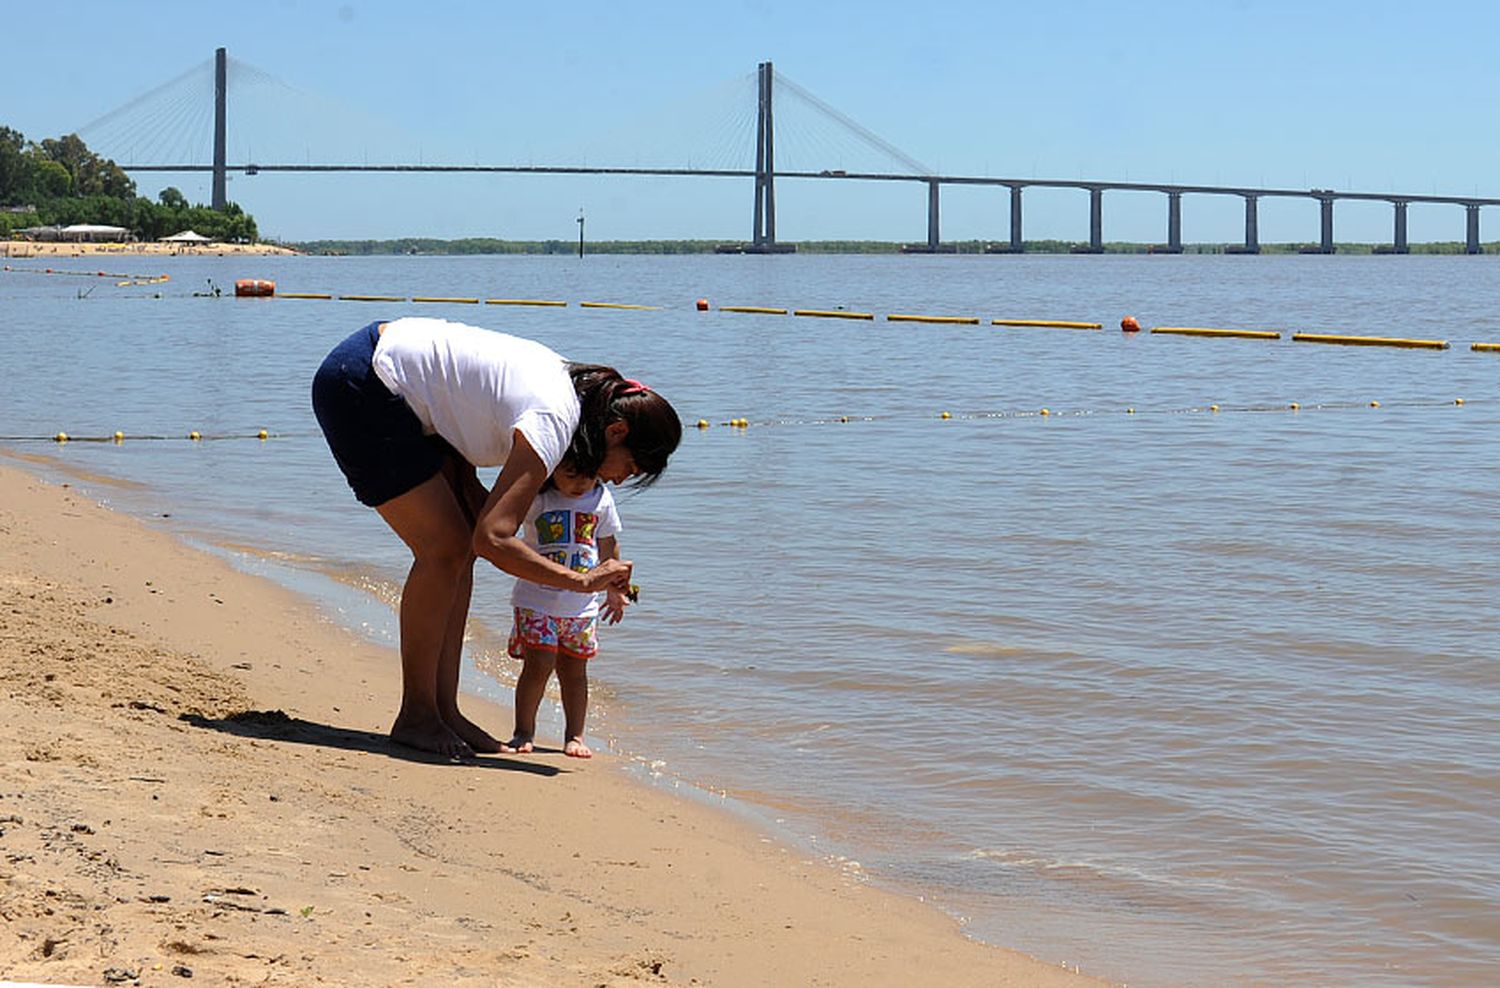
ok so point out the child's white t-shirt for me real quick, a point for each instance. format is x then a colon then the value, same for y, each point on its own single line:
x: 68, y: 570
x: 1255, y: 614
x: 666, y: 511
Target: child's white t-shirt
x: 474, y: 387
x: 567, y: 531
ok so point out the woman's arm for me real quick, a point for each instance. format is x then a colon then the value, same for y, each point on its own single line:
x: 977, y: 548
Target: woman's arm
x: 504, y: 513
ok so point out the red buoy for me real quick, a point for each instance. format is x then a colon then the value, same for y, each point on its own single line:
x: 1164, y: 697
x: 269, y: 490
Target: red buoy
x: 254, y: 288
x: 1129, y: 325
x: 703, y: 305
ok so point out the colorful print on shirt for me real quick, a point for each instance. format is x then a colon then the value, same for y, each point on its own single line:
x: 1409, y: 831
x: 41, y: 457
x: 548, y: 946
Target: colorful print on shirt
x: 584, y: 523
x: 552, y: 527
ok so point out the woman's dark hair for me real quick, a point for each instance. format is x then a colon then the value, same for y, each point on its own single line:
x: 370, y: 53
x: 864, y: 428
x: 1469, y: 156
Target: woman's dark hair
x: 604, y: 397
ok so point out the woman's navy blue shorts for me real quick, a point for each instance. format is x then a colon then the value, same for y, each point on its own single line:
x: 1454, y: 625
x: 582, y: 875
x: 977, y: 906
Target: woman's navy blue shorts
x: 374, y: 435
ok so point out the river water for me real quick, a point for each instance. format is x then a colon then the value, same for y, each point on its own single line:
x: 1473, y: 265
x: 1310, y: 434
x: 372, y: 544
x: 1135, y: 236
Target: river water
x: 1180, y: 696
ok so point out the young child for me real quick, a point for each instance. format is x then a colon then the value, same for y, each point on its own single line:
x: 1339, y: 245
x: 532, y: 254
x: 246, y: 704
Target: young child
x: 573, y: 522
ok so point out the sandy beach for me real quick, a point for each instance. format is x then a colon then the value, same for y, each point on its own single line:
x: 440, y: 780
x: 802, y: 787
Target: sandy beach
x: 28, y: 248
x: 195, y: 782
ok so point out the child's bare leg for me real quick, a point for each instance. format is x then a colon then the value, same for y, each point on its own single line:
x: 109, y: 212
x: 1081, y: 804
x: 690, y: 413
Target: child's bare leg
x: 573, y: 682
x: 531, y: 686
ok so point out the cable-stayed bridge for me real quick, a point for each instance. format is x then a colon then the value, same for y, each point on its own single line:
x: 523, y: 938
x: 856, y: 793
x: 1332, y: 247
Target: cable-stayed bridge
x: 777, y: 131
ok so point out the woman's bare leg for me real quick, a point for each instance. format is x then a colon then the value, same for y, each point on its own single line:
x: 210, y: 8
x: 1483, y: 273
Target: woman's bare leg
x: 431, y: 522
x: 469, y: 494
x: 573, y: 683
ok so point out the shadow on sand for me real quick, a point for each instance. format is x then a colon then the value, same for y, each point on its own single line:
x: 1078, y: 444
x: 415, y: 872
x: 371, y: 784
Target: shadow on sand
x: 275, y: 725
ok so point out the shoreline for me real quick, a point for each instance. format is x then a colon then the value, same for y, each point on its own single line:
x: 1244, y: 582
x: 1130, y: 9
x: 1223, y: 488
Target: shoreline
x: 198, y: 778
x: 23, y: 249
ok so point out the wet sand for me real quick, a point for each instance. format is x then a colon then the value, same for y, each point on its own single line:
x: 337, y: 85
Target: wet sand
x: 195, y: 781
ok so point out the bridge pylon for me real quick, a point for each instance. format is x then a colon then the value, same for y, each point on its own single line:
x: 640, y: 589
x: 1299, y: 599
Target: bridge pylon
x: 221, y: 93
x: 763, y: 236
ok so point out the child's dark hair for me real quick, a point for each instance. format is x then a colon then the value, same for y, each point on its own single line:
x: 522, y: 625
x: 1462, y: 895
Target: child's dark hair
x: 604, y: 396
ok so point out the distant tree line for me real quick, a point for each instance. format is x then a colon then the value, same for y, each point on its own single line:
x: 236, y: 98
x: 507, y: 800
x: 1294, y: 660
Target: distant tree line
x: 60, y: 182
x: 489, y: 245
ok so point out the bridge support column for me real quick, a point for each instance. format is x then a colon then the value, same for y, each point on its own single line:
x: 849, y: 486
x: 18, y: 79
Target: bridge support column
x: 1471, y: 237
x: 221, y: 80
x: 1325, y: 243
x: 764, y: 237
x: 1398, y: 240
x: 1096, y: 221
x: 1252, y: 226
x: 1174, y: 222
x: 932, y: 215
x: 1017, y: 244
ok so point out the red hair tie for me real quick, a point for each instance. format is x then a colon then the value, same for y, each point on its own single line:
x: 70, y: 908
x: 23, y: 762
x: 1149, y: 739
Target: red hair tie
x: 633, y: 387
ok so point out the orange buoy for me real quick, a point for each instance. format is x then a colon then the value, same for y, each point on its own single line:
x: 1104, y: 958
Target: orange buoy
x: 254, y: 288
x: 1129, y: 325
x: 703, y: 305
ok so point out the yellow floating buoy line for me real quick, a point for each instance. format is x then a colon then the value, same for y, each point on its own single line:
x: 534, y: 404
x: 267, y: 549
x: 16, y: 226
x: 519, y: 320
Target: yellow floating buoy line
x: 1248, y: 334
x: 525, y: 301
x: 762, y: 309
x: 129, y: 279
x: 704, y: 424
x: 1046, y: 323
x: 958, y: 320
x: 1391, y: 341
x: 833, y: 314
x: 119, y: 437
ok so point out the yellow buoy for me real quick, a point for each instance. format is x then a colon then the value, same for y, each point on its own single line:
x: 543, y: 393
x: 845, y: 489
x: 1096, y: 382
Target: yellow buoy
x: 195, y: 435
x: 263, y: 434
x: 1294, y: 406
x: 119, y: 437
x: 1374, y: 404
x: 1458, y: 401
x: 1130, y: 411
x: 703, y: 423
x: 61, y: 437
x: 1045, y: 411
x: 946, y: 415
x: 845, y: 418
x: 1213, y: 408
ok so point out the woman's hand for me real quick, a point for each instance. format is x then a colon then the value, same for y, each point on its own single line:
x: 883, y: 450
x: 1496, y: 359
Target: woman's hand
x: 612, y: 574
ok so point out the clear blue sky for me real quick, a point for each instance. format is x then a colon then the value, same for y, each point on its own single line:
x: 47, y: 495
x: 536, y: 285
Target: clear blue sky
x: 1368, y: 95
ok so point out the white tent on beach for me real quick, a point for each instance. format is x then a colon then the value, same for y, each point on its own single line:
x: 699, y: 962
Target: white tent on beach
x: 185, y: 237
x: 78, y: 232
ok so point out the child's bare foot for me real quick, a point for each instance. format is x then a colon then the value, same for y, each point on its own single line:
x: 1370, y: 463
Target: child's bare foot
x: 575, y: 748
x: 518, y: 745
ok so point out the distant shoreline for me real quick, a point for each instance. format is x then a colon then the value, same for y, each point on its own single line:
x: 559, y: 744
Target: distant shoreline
x: 28, y: 248
x: 487, y: 245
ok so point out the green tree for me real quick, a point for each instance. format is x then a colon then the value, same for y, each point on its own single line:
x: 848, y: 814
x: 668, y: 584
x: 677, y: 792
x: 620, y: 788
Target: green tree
x: 50, y: 180
x: 92, y: 175
x: 15, y: 167
x: 172, y: 198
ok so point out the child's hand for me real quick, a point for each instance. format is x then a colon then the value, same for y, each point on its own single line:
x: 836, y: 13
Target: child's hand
x: 613, y: 609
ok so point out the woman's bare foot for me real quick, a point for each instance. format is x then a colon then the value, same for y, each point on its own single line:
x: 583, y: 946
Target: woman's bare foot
x: 477, y: 737
x: 430, y: 735
x: 575, y: 748
x: 518, y: 745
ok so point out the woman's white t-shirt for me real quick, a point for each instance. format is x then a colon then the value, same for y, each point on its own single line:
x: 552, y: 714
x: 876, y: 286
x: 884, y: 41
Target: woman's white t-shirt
x: 474, y: 387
